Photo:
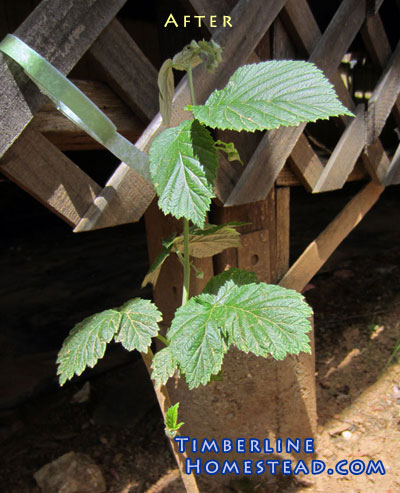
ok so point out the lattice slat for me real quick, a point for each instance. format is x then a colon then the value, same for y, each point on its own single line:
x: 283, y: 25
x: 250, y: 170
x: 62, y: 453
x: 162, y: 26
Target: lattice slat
x: 61, y: 31
x: 274, y: 149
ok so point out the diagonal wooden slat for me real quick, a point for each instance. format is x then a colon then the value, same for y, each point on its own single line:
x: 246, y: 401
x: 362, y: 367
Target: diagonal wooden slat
x: 238, y: 42
x: 61, y: 31
x: 276, y: 146
x: 42, y: 170
x: 128, y: 72
x: 384, y: 97
x: 318, y: 252
x: 376, y: 41
x: 393, y: 174
x: 344, y: 156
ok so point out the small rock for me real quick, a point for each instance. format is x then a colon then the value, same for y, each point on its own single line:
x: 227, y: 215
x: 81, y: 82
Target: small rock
x: 71, y: 473
x: 347, y: 435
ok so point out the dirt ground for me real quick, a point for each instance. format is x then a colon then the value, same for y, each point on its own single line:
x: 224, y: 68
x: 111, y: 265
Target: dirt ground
x: 356, y: 299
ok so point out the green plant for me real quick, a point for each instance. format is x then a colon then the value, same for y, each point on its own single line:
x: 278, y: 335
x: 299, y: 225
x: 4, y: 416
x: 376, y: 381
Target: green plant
x: 234, y: 309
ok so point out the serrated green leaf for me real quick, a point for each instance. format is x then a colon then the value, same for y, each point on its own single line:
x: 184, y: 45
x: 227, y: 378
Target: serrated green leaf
x: 210, y: 241
x: 232, y: 154
x: 164, y: 365
x: 166, y: 89
x: 183, y: 166
x: 239, y: 276
x: 196, y: 340
x: 86, y: 344
x: 138, y: 324
x: 271, y: 94
x: 264, y: 319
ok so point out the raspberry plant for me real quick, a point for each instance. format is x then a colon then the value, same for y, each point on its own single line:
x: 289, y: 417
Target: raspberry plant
x: 234, y: 309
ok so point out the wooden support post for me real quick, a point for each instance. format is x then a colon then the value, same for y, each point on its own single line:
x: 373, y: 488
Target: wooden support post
x: 257, y: 397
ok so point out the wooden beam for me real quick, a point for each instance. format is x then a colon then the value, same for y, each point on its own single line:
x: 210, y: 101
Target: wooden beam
x: 282, y: 202
x: 68, y: 137
x: 318, y: 252
x: 276, y: 146
x: 384, y: 97
x: 306, y: 163
x: 238, y: 43
x: 393, y: 174
x: 127, y: 70
x: 38, y: 167
x: 344, y: 156
x: 61, y: 31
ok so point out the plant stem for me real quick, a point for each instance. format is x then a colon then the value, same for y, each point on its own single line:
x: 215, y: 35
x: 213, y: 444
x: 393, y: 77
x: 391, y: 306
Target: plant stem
x: 162, y: 339
x: 186, y: 264
x: 164, y: 402
x: 191, y: 87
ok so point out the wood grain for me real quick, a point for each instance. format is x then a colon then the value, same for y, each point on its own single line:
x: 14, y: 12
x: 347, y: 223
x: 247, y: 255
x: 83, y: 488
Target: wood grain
x: 344, y: 156
x: 127, y: 70
x: 38, y: 167
x: 61, y: 31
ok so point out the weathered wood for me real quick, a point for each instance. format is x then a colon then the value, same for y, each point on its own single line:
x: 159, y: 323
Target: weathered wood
x: 254, y: 253
x: 373, y: 6
x: 376, y: 161
x: 43, y: 171
x: 274, y: 149
x: 61, y: 31
x: 260, y: 232
x: 318, y: 252
x: 374, y: 36
x: 393, y: 175
x: 67, y: 136
x: 384, y: 97
x: 238, y: 43
x: 127, y: 70
x: 306, y: 163
x: 288, y: 178
x: 344, y: 156
x: 282, y: 201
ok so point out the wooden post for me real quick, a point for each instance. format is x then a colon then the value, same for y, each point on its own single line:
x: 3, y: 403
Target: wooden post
x: 257, y: 398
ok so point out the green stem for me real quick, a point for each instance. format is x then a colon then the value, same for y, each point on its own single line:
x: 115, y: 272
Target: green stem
x: 191, y: 87
x: 162, y: 339
x: 186, y: 264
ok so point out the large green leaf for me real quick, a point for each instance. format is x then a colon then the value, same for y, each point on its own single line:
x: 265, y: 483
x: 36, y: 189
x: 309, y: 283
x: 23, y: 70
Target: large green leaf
x: 86, y: 344
x: 133, y: 324
x: 264, y: 319
x: 164, y: 365
x: 138, y: 324
x: 271, y: 94
x: 183, y: 166
x: 196, y: 340
x: 239, y: 276
x: 209, y: 241
x: 259, y: 318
